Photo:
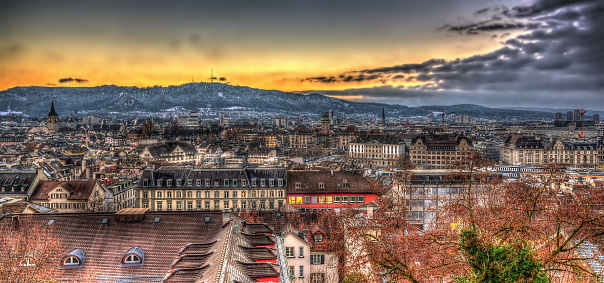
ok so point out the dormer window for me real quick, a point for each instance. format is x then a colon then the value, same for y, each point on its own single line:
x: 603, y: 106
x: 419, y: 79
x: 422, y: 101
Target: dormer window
x: 262, y: 182
x: 321, y: 185
x: 318, y: 237
x: 159, y: 182
x: 145, y: 182
x: 345, y: 184
x: 169, y: 183
x: 178, y: 182
x: 27, y: 261
x: 189, y: 182
x: 74, y: 258
x: 134, y: 256
x: 298, y: 185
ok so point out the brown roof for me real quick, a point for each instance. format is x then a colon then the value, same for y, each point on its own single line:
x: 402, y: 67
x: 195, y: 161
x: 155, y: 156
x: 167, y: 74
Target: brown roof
x: 260, y: 269
x: 104, y: 245
x: 333, y: 182
x: 257, y: 253
x: 78, y: 190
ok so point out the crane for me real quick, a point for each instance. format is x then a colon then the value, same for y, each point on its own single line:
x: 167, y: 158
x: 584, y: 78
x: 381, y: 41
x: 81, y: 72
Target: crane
x: 581, y: 135
x: 443, y: 114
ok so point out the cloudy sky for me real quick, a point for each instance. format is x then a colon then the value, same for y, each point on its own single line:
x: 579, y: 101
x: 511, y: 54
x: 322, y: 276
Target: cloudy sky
x: 531, y: 53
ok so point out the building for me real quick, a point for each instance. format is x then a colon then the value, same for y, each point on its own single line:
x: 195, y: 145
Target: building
x: 465, y: 120
x: 377, y: 151
x: 124, y: 195
x: 596, y: 119
x: 307, y: 260
x: 533, y: 151
x: 189, y: 120
x: 52, y: 119
x: 226, y: 189
x: 438, y: 151
x: 72, y: 196
x: 19, y: 184
x: 569, y: 116
x: 558, y: 116
x: 314, y: 190
x: 137, y: 245
x: 173, y: 152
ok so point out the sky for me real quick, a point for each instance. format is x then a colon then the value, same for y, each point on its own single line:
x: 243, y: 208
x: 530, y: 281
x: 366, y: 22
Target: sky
x: 530, y: 53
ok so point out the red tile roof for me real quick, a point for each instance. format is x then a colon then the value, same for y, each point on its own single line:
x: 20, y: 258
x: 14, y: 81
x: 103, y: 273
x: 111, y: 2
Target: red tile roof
x: 78, y: 190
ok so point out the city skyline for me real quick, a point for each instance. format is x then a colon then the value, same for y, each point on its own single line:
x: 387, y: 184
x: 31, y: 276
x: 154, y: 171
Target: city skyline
x: 492, y: 53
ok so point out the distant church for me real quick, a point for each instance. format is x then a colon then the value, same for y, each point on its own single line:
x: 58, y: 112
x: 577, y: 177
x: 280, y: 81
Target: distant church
x: 52, y: 119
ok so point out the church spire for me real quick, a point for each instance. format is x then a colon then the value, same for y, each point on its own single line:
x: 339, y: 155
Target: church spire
x: 52, y: 110
x: 383, y: 117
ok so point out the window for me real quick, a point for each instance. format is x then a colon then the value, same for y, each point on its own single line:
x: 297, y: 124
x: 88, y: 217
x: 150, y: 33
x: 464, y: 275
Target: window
x: 198, y: 194
x: 189, y: 194
x: 158, y: 194
x: 145, y: 194
x: 226, y: 194
x: 207, y: 181
x: 207, y: 194
x: 145, y: 182
x: 280, y: 182
x: 216, y: 194
x: 178, y: 194
x: 306, y: 200
x: 169, y: 183
x: 216, y: 205
x: 317, y: 278
x: 280, y: 194
x: 353, y: 199
x: 336, y: 200
x: 132, y: 259
x: 271, y: 182
x: 216, y: 183
x: 159, y: 206
x: 145, y: 204
x: 178, y: 182
x: 226, y: 182
x: 262, y: 182
x: 290, y: 271
x: 243, y: 194
x: 254, y: 182
x: 207, y: 204
x: 234, y: 194
x: 318, y: 237
x: 234, y: 182
x: 298, y: 185
x: 71, y: 260
x: 317, y: 259
x: 321, y: 185
x: 301, y: 254
x: 169, y: 206
x: 243, y: 182
x: 189, y: 182
x: 226, y: 204
x: 301, y: 271
x: 289, y: 251
x: 27, y: 261
x: 313, y: 200
x: 168, y: 194
x: 178, y: 205
x: 344, y: 199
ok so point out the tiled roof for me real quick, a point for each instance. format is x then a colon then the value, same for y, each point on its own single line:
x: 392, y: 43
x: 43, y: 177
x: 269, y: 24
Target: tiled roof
x: 333, y: 182
x: 259, y: 269
x: 78, y: 190
x: 105, y: 244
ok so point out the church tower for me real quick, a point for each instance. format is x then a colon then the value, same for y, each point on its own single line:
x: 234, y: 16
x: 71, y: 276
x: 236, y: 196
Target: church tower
x: 52, y: 119
x: 383, y: 118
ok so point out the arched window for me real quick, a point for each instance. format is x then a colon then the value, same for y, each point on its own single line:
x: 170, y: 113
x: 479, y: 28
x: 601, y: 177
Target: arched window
x: 74, y: 258
x: 134, y: 256
x: 27, y: 261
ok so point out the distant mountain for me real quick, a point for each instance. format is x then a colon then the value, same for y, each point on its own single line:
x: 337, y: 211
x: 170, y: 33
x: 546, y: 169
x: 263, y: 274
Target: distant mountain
x: 554, y: 110
x: 35, y: 101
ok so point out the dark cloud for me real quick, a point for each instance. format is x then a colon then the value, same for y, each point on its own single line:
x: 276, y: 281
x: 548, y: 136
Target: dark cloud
x: 473, y: 29
x: 68, y: 80
x: 559, y: 55
x: 222, y: 79
x: 481, y: 11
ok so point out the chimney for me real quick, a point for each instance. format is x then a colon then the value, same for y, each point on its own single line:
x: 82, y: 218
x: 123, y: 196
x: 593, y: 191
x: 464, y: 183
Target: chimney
x: 331, y: 172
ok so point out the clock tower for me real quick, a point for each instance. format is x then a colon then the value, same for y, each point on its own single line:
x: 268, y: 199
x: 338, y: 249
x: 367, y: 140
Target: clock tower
x: 52, y: 119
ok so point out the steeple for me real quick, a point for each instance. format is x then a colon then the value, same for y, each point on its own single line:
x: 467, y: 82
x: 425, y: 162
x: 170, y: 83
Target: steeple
x: 52, y: 110
x: 383, y: 117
